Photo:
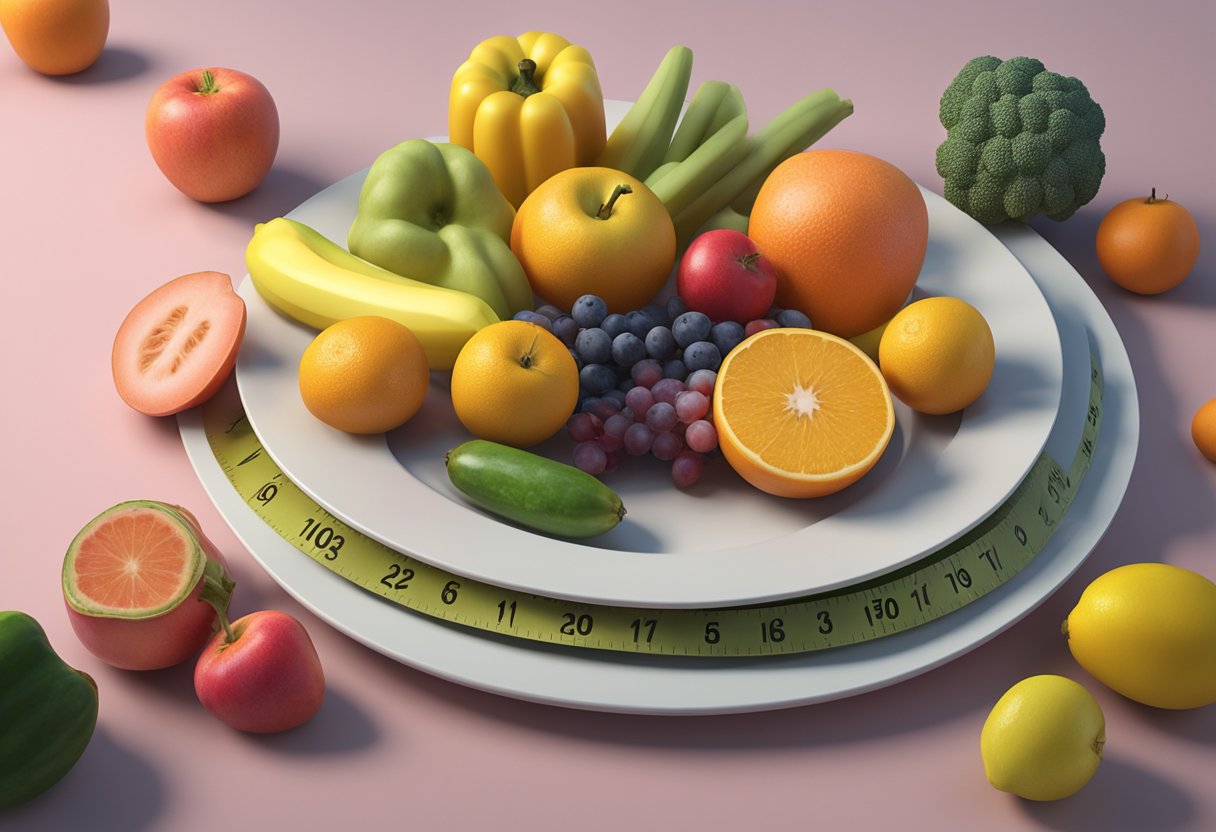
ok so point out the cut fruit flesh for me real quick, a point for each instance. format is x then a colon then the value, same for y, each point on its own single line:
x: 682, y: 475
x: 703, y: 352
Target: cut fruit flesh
x: 136, y: 560
x: 179, y: 344
x: 801, y: 413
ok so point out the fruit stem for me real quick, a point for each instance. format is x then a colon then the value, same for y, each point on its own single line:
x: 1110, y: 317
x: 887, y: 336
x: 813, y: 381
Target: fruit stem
x: 525, y: 360
x: 748, y: 261
x: 1152, y: 197
x: 217, y: 591
x: 606, y: 209
x: 525, y: 84
x: 207, y: 86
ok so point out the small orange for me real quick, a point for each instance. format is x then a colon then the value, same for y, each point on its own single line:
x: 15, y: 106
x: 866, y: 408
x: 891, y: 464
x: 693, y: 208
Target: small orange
x: 801, y: 413
x: 56, y: 37
x: 364, y: 375
x: 515, y: 383
x: 1203, y: 429
x: 594, y: 231
x: 1147, y: 245
x: 937, y: 354
x: 847, y: 233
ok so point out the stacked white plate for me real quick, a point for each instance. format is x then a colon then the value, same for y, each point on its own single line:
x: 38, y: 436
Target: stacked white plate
x: 722, y: 543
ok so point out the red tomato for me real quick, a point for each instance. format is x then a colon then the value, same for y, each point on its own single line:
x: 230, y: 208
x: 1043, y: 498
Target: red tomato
x: 179, y: 344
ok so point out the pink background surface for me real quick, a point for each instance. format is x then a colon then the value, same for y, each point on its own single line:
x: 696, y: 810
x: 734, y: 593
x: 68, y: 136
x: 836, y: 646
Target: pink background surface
x: 89, y: 226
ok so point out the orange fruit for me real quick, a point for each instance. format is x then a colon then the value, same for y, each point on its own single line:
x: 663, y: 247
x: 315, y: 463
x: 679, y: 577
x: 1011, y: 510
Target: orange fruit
x: 801, y: 413
x: 847, y: 233
x: 1203, y: 429
x: 574, y: 238
x: 364, y: 375
x: 1147, y: 245
x: 56, y: 37
x: 515, y: 383
x: 937, y: 355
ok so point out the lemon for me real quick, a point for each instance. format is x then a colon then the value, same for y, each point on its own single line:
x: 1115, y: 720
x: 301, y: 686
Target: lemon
x: 1043, y: 739
x: 1148, y: 631
x: 937, y: 355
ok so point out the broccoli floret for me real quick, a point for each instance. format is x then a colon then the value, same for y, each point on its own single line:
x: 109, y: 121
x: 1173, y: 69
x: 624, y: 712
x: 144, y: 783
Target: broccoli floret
x: 1020, y: 140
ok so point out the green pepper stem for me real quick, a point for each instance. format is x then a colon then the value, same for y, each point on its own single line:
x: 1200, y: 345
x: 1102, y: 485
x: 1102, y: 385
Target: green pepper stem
x: 606, y: 209
x: 217, y: 591
x: 208, y: 85
x: 525, y: 84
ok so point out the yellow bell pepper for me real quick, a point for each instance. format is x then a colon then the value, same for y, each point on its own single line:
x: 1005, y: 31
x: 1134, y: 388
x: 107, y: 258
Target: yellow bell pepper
x: 529, y: 107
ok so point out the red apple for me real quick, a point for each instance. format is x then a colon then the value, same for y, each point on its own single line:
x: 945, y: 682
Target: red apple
x: 213, y: 133
x: 725, y: 276
x: 260, y: 674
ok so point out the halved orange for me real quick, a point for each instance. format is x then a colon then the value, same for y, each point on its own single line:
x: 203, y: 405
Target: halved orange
x: 801, y: 413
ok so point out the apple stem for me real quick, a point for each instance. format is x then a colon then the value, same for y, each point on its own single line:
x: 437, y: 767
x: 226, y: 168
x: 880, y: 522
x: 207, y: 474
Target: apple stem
x: 526, y: 359
x: 207, y: 86
x: 525, y: 84
x: 606, y: 209
x: 748, y: 261
x: 217, y: 591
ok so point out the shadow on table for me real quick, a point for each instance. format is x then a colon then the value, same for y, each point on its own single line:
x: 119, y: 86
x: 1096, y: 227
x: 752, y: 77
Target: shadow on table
x: 116, y: 63
x: 339, y: 727
x: 284, y: 188
x: 109, y: 788
x: 1121, y: 796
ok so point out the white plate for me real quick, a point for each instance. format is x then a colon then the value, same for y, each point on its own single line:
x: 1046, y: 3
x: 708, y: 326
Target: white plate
x: 723, y: 542
x: 653, y: 684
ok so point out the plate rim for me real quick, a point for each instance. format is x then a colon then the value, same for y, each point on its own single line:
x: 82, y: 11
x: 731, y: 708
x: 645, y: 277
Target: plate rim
x: 667, y: 585
x: 592, y: 680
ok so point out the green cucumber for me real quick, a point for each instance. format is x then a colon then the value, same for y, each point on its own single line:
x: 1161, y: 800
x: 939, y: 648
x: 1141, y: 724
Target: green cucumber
x: 48, y: 711
x: 533, y: 490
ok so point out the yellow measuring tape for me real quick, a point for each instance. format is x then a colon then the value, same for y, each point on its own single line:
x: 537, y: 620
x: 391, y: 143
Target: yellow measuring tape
x: 958, y: 574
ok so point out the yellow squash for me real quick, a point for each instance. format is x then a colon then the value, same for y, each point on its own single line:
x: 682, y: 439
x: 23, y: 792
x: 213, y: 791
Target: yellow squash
x: 529, y: 107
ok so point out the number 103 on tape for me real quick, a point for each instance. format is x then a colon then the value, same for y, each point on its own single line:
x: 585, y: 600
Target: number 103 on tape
x: 965, y: 570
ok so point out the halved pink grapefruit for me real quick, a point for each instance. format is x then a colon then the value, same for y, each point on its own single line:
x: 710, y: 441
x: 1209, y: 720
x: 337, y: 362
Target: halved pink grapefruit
x: 140, y: 581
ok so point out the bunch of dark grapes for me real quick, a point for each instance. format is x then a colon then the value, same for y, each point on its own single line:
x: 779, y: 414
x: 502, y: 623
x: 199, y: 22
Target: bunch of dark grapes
x: 646, y: 379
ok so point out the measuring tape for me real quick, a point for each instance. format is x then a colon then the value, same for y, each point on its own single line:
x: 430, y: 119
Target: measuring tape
x: 965, y: 570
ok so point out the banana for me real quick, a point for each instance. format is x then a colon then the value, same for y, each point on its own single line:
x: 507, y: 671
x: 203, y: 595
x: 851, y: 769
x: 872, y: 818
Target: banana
x: 693, y: 128
x: 799, y: 126
x: 706, y: 165
x: 659, y: 172
x: 639, y: 143
x: 313, y: 280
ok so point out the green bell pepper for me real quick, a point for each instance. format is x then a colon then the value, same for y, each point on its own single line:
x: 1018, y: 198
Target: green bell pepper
x: 431, y: 212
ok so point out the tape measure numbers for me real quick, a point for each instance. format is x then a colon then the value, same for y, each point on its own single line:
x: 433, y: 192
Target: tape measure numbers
x: 948, y: 580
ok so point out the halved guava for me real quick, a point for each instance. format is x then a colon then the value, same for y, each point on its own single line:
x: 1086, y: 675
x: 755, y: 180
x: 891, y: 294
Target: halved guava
x: 178, y: 345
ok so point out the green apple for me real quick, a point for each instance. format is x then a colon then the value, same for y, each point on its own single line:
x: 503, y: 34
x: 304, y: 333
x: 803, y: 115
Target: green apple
x: 1043, y: 739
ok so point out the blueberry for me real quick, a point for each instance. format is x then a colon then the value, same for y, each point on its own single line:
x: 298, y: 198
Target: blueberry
x: 628, y: 349
x: 675, y: 307
x: 657, y: 313
x: 702, y: 355
x: 726, y: 335
x: 614, y: 325
x: 589, y: 311
x: 626, y: 385
x: 690, y: 328
x: 794, y: 318
x: 566, y: 328
x: 615, y: 395
x: 675, y: 368
x: 639, y: 323
x: 660, y: 343
x: 596, y: 379
x: 594, y: 346
x: 578, y: 362
x: 531, y: 317
x: 549, y: 311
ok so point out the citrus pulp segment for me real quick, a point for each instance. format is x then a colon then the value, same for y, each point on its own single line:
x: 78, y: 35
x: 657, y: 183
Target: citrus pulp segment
x: 801, y: 413
x: 135, y: 560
